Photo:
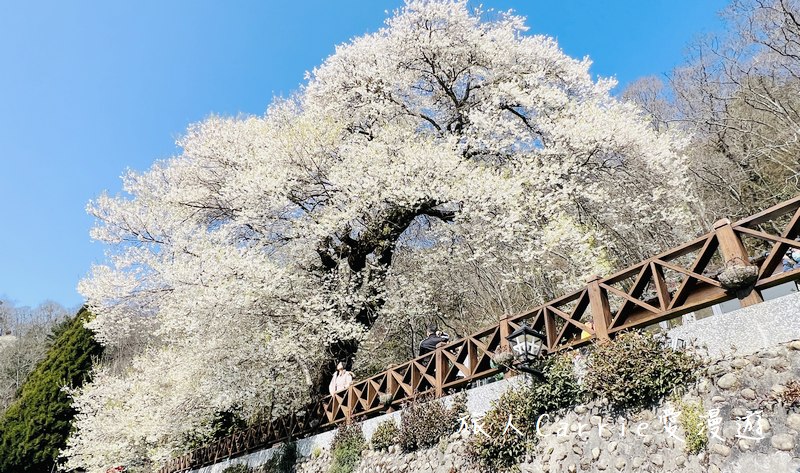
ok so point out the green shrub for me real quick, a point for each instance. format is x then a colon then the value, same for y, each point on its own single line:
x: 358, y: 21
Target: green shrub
x: 638, y: 369
x: 496, y: 447
x: 346, y: 448
x: 509, y: 428
x: 283, y: 461
x: 238, y: 468
x: 228, y: 422
x: 425, y: 420
x: 560, y: 388
x: 385, y: 435
x: 316, y: 452
x: 695, y: 429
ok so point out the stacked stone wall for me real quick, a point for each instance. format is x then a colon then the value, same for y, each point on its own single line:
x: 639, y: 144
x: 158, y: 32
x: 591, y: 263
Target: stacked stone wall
x: 755, y: 353
x: 749, y: 430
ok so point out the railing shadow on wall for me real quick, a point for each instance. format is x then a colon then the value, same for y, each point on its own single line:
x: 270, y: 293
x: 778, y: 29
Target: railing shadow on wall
x: 668, y: 285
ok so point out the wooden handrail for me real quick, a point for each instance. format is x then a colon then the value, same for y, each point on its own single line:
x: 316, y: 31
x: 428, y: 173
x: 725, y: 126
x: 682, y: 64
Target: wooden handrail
x: 668, y: 285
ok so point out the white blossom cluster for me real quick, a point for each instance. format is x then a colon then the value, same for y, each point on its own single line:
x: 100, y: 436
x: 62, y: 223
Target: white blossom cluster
x: 233, y: 267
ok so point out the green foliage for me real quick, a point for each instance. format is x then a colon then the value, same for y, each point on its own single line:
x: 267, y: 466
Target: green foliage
x: 34, y: 331
x: 503, y: 446
x: 346, y: 448
x: 282, y: 461
x: 693, y: 422
x: 227, y: 422
x: 637, y: 369
x: 560, y: 389
x: 57, y: 330
x: 500, y: 448
x: 238, y: 468
x: 424, y: 421
x: 35, y: 427
x: 385, y: 435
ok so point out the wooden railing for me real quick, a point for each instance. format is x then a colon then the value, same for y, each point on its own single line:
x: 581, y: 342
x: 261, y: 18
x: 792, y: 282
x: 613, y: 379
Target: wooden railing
x: 663, y: 287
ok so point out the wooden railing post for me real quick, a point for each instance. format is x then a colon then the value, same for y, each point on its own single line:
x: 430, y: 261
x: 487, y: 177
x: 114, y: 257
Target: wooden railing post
x: 329, y: 408
x: 441, y: 366
x: 392, y: 386
x: 351, y: 403
x: 730, y: 246
x: 598, y: 303
x: 505, y: 345
x: 505, y: 331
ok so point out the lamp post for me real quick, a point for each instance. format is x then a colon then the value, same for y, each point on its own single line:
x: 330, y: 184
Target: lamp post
x: 526, y: 344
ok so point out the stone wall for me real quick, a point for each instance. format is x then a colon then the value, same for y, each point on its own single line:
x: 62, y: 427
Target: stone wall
x: 743, y: 379
x: 749, y: 431
x: 747, y: 329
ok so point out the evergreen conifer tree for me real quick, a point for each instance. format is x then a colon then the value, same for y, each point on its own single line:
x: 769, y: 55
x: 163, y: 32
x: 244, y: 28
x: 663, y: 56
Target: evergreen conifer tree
x: 35, y: 426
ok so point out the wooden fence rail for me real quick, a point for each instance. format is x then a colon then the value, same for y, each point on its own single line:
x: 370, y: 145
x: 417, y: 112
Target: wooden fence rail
x: 663, y: 287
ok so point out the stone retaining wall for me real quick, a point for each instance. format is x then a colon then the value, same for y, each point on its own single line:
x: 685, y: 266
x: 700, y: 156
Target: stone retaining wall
x: 743, y: 379
x: 749, y: 431
x: 748, y: 329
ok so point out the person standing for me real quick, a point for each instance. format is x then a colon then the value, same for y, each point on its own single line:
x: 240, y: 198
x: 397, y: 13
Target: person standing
x: 341, y: 380
x: 588, y: 333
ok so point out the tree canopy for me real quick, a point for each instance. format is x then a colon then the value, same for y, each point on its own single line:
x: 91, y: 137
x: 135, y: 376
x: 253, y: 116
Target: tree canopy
x: 447, y: 165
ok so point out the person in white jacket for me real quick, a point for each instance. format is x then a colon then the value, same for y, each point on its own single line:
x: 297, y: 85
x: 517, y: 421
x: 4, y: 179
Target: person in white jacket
x: 341, y: 380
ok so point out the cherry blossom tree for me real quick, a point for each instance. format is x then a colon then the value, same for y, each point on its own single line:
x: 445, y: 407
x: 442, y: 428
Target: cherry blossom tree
x: 448, y: 163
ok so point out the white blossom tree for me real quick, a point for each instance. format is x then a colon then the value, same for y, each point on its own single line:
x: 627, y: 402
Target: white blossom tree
x: 446, y: 151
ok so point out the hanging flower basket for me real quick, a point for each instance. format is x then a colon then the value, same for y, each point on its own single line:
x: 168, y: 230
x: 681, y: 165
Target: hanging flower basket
x: 502, y: 360
x: 738, y: 277
x: 385, y: 399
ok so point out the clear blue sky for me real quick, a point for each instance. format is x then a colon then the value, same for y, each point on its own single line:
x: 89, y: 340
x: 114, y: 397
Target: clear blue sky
x: 90, y: 88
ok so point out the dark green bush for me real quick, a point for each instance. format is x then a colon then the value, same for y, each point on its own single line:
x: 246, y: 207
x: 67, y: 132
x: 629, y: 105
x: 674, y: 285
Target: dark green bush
x: 35, y: 427
x: 425, y: 420
x: 346, y: 447
x: 638, y: 369
x: 282, y: 462
x: 385, y: 435
x: 238, y: 468
x: 499, y: 447
x: 560, y: 389
x: 494, y: 446
x: 227, y: 422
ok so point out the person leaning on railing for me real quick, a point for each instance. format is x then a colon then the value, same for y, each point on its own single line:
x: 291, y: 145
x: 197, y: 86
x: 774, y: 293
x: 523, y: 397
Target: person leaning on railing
x: 436, y: 339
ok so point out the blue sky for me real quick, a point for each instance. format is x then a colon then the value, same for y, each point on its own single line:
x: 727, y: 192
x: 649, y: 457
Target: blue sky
x: 91, y: 88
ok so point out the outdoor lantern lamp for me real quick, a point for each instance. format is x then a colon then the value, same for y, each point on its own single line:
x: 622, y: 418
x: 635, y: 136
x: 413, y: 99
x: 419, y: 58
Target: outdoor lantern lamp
x: 526, y: 344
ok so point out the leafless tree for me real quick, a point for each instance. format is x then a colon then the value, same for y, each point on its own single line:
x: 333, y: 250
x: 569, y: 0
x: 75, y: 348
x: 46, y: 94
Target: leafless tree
x: 24, y: 342
x: 739, y: 100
